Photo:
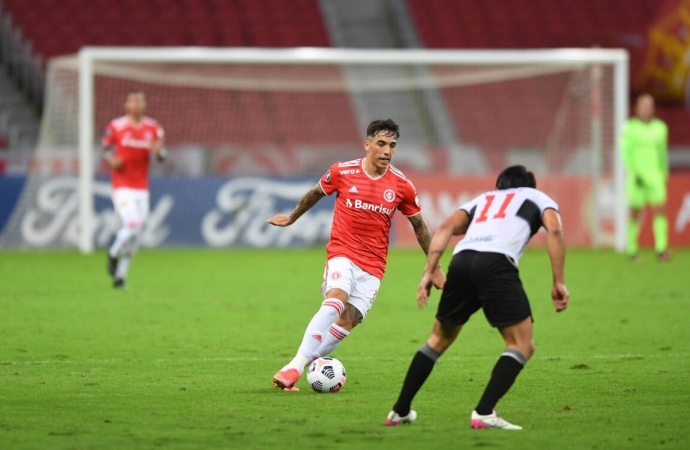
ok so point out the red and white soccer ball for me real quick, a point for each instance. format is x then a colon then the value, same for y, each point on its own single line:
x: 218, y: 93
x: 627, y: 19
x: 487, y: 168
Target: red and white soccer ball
x: 326, y: 375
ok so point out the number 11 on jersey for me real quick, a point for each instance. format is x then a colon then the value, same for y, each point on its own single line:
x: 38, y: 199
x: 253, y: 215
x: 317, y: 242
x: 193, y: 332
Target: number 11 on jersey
x: 501, y: 214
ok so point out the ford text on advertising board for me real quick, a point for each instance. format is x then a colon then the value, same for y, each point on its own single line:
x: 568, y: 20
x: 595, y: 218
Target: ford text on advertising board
x: 42, y: 212
x: 184, y: 212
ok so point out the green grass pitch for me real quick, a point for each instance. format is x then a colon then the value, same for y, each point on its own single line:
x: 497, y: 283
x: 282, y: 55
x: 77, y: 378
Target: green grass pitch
x: 184, y: 359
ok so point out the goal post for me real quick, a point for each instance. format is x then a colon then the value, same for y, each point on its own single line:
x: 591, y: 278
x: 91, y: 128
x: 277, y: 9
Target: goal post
x: 519, y: 64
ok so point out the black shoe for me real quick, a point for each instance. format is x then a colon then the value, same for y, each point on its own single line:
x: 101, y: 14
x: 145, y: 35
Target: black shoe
x: 119, y: 283
x: 112, y: 265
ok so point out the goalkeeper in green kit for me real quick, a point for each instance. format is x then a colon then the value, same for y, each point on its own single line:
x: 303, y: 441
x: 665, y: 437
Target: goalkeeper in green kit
x: 645, y: 157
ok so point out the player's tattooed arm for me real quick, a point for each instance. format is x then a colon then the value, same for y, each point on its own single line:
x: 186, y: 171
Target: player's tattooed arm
x: 421, y: 231
x: 436, y: 276
x: 305, y: 203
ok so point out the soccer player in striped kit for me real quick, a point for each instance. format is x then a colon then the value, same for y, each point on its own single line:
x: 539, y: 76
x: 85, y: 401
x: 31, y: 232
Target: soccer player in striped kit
x: 368, y: 192
x: 483, y: 274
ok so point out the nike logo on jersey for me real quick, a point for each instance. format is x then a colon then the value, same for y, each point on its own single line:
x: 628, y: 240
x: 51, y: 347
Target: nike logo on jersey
x: 353, y: 190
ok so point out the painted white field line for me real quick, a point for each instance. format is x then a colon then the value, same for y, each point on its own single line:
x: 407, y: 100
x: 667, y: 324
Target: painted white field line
x: 624, y: 356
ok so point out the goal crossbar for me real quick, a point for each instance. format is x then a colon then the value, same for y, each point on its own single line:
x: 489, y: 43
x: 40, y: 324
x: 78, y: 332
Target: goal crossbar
x: 89, y: 56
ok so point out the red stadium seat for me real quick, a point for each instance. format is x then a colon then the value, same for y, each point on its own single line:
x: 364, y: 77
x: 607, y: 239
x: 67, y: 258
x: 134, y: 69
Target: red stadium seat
x: 264, y: 23
x: 278, y: 23
x: 529, y: 24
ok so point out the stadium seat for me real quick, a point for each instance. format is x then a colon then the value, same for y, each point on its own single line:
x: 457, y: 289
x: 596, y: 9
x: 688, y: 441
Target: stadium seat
x: 266, y: 23
x: 528, y: 24
x: 261, y: 23
x: 276, y: 23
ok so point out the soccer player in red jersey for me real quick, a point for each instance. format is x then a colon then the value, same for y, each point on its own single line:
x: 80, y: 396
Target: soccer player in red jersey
x: 134, y: 137
x: 368, y: 192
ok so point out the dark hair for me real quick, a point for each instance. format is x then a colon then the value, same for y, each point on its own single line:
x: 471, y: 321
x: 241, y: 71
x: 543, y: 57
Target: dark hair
x: 515, y: 177
x: 135, y: 91
x: 388, y: 125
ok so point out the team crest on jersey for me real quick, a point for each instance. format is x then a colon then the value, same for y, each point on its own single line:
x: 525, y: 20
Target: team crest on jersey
x: 389, y: 195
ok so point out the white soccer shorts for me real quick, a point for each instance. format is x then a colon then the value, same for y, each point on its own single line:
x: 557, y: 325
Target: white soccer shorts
x: 361, y: 287
x: 132, y: 206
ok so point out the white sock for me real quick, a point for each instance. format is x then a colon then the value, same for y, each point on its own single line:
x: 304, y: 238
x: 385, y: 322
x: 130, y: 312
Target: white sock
x: 127, y: 250
x: 123, y: 236
x: 333, y: 338
x: 123, y: 267
x: 331, y: 308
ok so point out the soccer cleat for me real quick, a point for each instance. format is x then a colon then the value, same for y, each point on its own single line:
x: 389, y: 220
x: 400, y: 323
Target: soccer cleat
x: 112, y: 265
x: 394, y: 419
x: 492, y: 420
x: 286, y: 379
x: 664, y: 256
x: 119, y: 283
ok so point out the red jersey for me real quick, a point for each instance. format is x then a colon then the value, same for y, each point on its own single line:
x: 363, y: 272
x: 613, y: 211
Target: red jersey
x: 363, y: 210
x: 133, y: 143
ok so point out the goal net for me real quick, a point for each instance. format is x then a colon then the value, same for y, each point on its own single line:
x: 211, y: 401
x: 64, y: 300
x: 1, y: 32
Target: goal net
x: 248, y: 131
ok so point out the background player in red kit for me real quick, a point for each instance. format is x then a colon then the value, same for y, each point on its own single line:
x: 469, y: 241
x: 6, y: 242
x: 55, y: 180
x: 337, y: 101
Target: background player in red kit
x: 368, y: 191
x: 134, y: 137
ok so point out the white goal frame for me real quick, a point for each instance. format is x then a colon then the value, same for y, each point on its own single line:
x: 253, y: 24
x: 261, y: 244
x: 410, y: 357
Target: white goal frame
x: 89, y: 56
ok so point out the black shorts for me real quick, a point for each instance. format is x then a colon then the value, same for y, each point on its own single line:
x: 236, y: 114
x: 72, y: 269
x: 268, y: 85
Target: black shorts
x: 483, y: 280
